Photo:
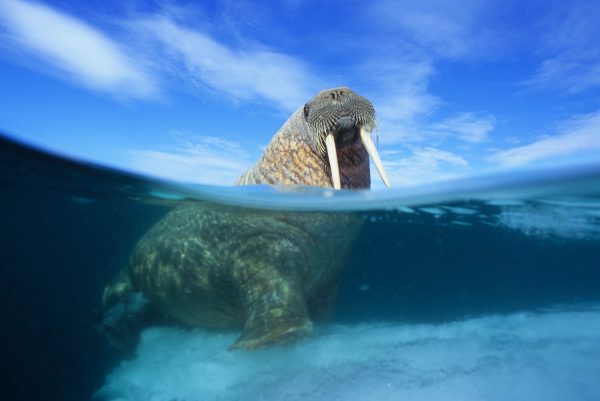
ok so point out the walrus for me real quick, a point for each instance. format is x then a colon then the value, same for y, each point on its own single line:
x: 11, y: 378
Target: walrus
x: 270, y: 274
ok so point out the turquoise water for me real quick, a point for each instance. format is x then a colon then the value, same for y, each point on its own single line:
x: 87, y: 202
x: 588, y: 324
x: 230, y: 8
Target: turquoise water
x: 481, y: 289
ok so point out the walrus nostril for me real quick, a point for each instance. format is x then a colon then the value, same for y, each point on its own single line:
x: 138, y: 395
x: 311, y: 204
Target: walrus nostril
x: 337, y: 94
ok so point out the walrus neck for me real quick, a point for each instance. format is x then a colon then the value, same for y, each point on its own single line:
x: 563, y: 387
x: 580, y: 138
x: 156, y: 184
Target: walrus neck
x: 291, y: 158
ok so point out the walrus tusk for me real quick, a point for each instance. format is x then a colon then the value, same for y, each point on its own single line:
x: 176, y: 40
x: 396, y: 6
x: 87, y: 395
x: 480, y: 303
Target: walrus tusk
x: 333, y: 161
x: 365, y: 136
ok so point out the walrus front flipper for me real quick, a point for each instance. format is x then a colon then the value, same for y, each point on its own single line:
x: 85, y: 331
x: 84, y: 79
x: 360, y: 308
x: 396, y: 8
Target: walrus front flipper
x: 270, y: 273
x: 125, y: 314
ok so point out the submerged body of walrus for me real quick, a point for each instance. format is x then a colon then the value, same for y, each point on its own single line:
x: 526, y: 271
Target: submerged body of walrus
x: 268, y: 274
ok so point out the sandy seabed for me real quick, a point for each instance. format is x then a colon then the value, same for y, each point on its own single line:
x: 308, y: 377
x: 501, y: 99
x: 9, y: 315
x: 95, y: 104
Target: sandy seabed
x: 549, y: 355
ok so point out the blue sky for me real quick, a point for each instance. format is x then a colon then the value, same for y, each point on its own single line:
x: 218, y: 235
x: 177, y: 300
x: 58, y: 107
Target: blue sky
x: 195, y: 90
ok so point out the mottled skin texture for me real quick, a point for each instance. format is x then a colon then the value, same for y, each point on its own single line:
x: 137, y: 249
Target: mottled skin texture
x: 269, y: 274
x: 287, y: 160
x: 296, y: 154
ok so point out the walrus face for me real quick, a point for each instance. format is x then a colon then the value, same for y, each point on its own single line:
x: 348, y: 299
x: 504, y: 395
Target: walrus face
x: 340, y: 119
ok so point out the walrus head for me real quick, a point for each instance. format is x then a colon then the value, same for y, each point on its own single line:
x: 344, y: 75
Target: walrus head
x: 325, y: 143
x: 341, y: 122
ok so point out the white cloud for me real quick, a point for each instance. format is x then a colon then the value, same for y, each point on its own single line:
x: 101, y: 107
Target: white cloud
x: 79, y: 51
x: 94, y: 59
x: 404, y: 106
x: 404, y: 86
x: 571, y: 50
x: 202, y: 159
x: 242, y: 74
x: 443, y: 27
x: 578, y: 137
x: 466, y: 127
x: 423, y: 165
x: 401, y: 97
x: 571, y: 74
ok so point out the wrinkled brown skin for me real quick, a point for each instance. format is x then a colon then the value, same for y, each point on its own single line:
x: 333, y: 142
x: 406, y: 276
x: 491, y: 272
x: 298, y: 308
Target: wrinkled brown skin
x: 292, y: 157
x: 267, y: 273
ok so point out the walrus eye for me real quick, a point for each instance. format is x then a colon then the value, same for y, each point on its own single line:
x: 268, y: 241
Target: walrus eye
x: 306, y: 109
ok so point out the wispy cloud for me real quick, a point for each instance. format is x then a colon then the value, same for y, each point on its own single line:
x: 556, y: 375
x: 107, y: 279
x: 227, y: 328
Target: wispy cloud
x: 466, y: 127
x: 165, y: 47
x: 442, y: 28
x: 404, y: 89
x: 573, y: 74
x: 406, y: 121
x: 401, y: 97
x: 423, y: 165
x: 248, y: 74
x: 198, y: 159
x: 580, y: 136
x: 406, y: 109
x: 78, y: 50
x: 570, y: 47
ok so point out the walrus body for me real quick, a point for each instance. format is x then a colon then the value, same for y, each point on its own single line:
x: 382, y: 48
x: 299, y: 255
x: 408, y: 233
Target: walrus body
x: 269, y: 274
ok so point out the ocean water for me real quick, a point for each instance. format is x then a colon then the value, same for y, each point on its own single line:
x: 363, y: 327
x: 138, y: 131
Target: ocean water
x: 481, y: 289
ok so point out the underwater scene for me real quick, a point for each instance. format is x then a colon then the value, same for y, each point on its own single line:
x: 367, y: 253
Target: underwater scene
x: 485, y: 288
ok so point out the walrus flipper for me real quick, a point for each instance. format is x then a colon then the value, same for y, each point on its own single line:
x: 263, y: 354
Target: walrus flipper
x: 270, y: 275
x: 125, y: 313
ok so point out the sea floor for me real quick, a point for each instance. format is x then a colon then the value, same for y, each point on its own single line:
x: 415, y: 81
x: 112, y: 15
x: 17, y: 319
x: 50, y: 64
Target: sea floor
x: 546, y: 355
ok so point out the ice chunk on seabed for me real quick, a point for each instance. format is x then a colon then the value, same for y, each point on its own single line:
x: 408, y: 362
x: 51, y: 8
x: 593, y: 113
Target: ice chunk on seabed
x: 552, y: 355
